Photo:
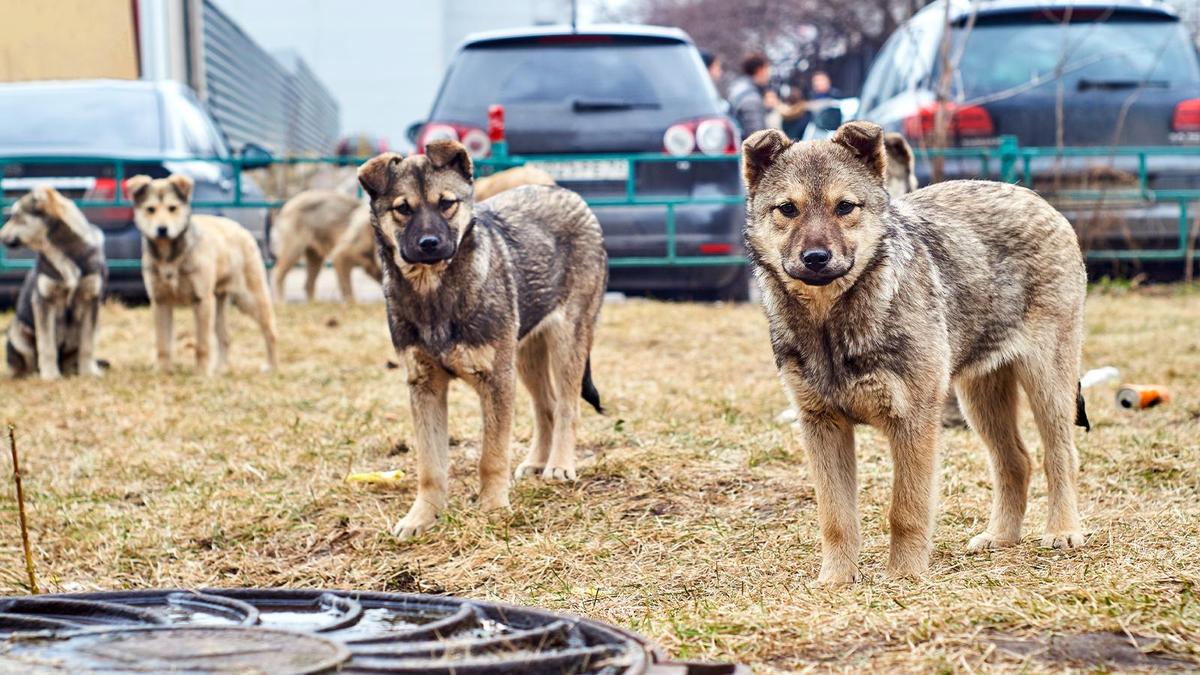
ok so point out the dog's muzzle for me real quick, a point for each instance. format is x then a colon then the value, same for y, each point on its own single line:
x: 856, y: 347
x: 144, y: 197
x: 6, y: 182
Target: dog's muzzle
x: 11, y: 242
x: 817, y: 270
x: 428, y: 249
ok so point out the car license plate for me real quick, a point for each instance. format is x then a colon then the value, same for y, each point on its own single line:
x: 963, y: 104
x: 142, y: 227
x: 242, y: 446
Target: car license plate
x: 581, y: 170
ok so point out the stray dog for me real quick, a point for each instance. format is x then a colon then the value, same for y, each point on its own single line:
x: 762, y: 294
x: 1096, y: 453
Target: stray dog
x: 309, y: 226
x: 486, y: 292
x: 198, y: 261
x: 356, y: 247
x: 54, y: 332
x: 876, y: 305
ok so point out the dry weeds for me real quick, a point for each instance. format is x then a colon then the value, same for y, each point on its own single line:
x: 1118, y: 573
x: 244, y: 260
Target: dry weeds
x: 693, y: 521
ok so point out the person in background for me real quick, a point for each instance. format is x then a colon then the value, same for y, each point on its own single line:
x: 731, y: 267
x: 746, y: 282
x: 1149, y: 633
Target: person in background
x: 746, y: 94
x: 713, y: 63
x: 794, y: 113
x: 820, y: 86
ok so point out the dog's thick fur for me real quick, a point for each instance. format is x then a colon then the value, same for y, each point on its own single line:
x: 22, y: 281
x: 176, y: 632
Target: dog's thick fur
x: 310, y: 226
x: 356, y: 247
x: 486, y: 292
x: 198, y: 261
x: 973, y: 283
x: 54, y: 331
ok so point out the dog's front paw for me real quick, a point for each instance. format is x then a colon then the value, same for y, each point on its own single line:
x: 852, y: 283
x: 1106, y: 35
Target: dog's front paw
x: 414, y: 524
x: 1063, y: 540
x: 838, y: 574
x: 985, y: 541
x: 93, y: 369
x: 558, y: 473
x: 49, y: 375
x: 496, y: 501
x: 527, y: 470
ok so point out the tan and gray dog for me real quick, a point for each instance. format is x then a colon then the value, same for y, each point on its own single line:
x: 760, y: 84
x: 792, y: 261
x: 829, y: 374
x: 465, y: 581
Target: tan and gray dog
x: 877, y: 305
x: 54, y: 331
x: 356, y: 247
x: 309, y: 226
x: 486, y: 292
x: 199, y: 261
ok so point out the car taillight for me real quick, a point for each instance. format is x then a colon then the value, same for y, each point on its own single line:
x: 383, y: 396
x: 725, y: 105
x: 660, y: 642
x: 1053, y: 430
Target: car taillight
x: 711, y: 136
x: 473, y: 138
x: 969, y: 121
x: 1187, y: 116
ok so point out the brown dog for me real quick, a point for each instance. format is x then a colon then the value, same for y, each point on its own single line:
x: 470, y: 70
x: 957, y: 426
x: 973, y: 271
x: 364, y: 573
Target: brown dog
x: 877, y: 305
x: 486, y: 292
x: 198, y: 261
x: 310, y: 226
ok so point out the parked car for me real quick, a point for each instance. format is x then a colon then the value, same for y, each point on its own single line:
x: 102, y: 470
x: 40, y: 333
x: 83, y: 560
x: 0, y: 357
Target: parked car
x: 149, y: 123
x: 1127, y: 73
x: 610, y: 89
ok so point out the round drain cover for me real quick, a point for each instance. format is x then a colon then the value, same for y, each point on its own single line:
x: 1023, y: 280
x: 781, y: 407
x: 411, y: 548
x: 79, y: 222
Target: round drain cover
x: 208, y: 649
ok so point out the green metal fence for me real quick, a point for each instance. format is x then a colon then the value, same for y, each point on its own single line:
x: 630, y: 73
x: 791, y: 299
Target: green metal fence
x: 1006, y: 161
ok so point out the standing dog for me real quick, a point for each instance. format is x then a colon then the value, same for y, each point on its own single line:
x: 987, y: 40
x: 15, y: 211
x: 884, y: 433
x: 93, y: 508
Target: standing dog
x: 356, y: 247
x: 198, y: 261
x: 54, y: 332
x: 309, y: 226
x: 486, y: 292
x: 876, y: 305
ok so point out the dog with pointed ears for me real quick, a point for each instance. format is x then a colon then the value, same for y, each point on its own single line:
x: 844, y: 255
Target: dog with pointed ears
x: 878, y: 305
x: 487, y: 292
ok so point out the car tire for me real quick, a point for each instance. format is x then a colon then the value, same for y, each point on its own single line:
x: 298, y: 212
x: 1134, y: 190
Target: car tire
x: 737, y: 290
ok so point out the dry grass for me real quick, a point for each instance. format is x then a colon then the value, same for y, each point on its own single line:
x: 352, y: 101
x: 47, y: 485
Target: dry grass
x: 693, y: 521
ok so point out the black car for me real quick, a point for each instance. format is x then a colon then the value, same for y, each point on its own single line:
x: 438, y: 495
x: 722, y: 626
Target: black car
x: 148, y: 123
x: 614, y: 89
x: 1126, y: 73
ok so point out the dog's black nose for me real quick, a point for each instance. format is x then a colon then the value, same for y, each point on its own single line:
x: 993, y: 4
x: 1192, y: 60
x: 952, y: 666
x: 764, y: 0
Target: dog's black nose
x: 162, y: 232
x: 429, y: 242
x: 815, y: 259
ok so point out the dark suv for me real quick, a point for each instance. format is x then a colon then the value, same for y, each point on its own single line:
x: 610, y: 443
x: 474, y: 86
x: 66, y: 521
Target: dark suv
x: 610, y: 90
x: 1051, y: 72
x: 82, y: 122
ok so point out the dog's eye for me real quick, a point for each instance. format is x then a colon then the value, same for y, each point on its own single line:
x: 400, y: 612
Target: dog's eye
x: 844, y: 208
x: 404, y: 209
x: 445, y: 203
x: 150, y: 210
x: 788, y: 209
x: 171, y: 208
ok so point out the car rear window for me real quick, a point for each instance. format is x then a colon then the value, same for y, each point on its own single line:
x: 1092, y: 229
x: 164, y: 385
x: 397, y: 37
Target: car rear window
x: 85, y: 120
x: 590, y: 75
x: 1014, y: 56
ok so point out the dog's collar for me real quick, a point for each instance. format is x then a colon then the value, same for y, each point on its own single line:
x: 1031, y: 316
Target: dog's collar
x: 178, y: 244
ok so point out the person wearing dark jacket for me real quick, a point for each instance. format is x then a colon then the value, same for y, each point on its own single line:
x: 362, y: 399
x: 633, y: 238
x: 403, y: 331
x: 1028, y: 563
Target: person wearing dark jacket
x: 746, y: 94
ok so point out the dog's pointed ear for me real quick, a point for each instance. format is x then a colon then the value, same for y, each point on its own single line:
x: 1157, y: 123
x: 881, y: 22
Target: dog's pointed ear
x: 182, y: 185
x: 865, y: 141
x: 759, y: 152
x: 898, y: 149
x: 376, y: 174
x: 445, y: 153
x: 136, y: 187
x: 48, y: 201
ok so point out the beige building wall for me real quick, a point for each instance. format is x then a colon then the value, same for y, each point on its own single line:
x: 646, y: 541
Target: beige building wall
x: 67, y: 40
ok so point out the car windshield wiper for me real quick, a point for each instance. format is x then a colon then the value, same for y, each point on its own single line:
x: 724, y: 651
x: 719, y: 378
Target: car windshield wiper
x: 606, y: 104
x: 1085, y: 84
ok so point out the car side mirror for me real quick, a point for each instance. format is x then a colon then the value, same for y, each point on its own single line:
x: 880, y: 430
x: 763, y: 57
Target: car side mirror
x: 829, y: 118
x: 413, y: 131
x: 255, y: 156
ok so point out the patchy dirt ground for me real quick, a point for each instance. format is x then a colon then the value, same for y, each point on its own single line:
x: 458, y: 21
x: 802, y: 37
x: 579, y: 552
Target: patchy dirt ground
x: 693, y: 521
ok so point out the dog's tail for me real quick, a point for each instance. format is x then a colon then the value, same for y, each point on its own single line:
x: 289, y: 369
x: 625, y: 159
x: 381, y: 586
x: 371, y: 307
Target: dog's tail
x: 1081, y: 419
x: 589, y: 388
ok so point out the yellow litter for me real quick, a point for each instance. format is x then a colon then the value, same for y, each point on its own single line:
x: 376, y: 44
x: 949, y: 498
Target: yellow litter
x: 376, y: 477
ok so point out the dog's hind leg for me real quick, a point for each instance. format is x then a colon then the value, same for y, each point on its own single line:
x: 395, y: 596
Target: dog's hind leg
x: 313, y: 262
x: 222, y: 328
x: 343, y: 267
x: 534, y: 368
x: 1050, y: 383
x: 285, y: 260
x: 205, y: 312
x: 256, y: 303
x: 428, y: 383
x: 989, y: 402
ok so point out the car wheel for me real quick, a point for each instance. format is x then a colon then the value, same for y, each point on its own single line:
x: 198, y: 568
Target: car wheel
x: 737, y: 290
